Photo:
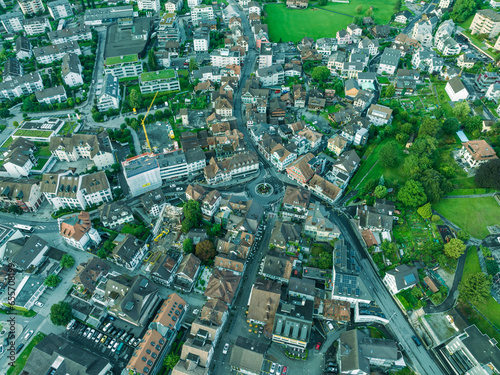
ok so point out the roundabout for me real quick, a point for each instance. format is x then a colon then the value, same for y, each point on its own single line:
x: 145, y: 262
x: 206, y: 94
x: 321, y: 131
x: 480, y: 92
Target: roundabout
x: 264, y: 189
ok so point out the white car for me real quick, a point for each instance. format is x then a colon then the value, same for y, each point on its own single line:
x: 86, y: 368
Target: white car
x: 273, y: 368
x: 226, y: 348
x: 330, y: 325
x: 39, y: 304
x: 28, y: 334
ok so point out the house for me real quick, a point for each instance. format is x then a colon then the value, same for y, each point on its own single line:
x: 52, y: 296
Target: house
x: 466, y: 61
x: 49, y: 54
x: 163, y: 271
x: 376, y: 219
x: 52, y: 95
x: 283, y: 233
x: 223, y: 107
x: 426, y: 59
x: 351, y: 87
x: 402, y: 17
x: 477, y: 152
x: 153, y: 202
x: 222, y: 285
x: 344, y: 167
x: 24, y: 50
x: 389, y: 61
x: 210, y: 203
x: 354, y: 29
x: 297, y: 4
x: 109, y: 97
x: 129, y: 252
x: 486, y: 21
x: 358, y: 352
x: 381, y: 31
x: 456, y: 90
x: 55, y: 352
x: 400, y: 278
x: 78, y: 232
x: 276, y: 267
x: 293, y: 324
x: 295, y: 203
x: 20, y: 158
x: 339, y: 311
x: 187, y: 273
x: 88, y: 275
x: 247, y: 355
x: 324, y: 189
x: 448, y: 46
x: 422, y: 32
x: 198, y: 345
x: 115, y: 214
x: 72, y: 70
x: 343, y: 37
x: 318, y: 225
x: 263, y: 302
x: 26, y: 254
x: 379, y: 114
x: 371, y: 44
x: 24, y: 193
x: 272, y: 75
x: 142, y: 174
x: 60, y: 9
x: 337, y: 144
x: 300, y: 170
x: 493, y: 92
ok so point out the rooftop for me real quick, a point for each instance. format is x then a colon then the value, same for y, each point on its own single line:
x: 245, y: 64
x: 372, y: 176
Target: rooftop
x: 162, y: 74
x: 121, y: 59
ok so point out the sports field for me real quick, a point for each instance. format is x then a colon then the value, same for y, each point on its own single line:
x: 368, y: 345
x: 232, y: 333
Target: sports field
x: 318, y: 22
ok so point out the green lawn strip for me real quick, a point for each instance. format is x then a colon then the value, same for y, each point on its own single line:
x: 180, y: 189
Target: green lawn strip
x: 43, y: 151
x: 7, y: 142
x: 481, y: 45
x: 33, y: 133
x: 471, y: 214
x: 470, y: 191
x: 41, y: 163
x: 467, y: 23
x: 23, y: 357
x: 471, y: 262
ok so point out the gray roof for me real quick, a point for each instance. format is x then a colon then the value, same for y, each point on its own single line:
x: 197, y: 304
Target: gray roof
x: 109, y: 210
x: 284, y: 232
x: 171, y: 158
x: 56, y: 48
x: 126, y: 249
x: 404, y: 276
x: 18, y: 81
x: 67, y: 33
x: 390, y: 57
x: 301, y: 286
x: 12, y: 68
x: 126, y: 11
x: 23, y: 44
x: 194, y: 155
x: 110, y: 86
x: 270, y: 70
x: 367, y: 75
x: 50, y: 92
x: 456, y: 84
x: 481, y: 347
x: 70, y: 64
x: 248, y: 355
x: 22, y: 252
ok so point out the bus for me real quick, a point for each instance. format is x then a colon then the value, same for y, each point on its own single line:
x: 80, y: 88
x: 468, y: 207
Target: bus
x: 24, y: 228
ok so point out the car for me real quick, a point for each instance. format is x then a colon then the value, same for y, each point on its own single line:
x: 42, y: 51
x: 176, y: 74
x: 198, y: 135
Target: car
x: 28, y: 334
x: 39, y: 304
x: 106, y: 327
x: 71, y: 324
x: 108, y: 340
x: 1, y: 349
x: 416, y: 340
x: 278, y: 370
x: 115, y: 346
x: 104, y: 339
x: 178, y: 189
x: 113, y: 342
x: 318, y: 345
x: 196, y: 311
x: 122, y: 337
x: 273, y: 368
x: 112, y: 318
x: 99, y: 337
x: 19, y: 348
x: 173, y: 185
x: 226, y: 348
x: 136, y: 342
x: 330, y: 325
x: 284, y: 370
x: 131, y: 341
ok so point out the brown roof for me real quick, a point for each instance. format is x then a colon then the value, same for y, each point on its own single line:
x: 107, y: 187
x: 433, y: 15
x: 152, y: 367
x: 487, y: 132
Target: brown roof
x: 297, y: 196
x: 302, y: 164
x: 296, y: 126
x: 337, y: 310
x: 195, y: 192
x: 189, y: 266
x: 76, y: 226
x: 276, y: 266
x: 229, y: 262
x: 89, y: 272
x: 148, y: 351
x: 369, y: 238
x: 431, y: 284
x: 480, y: 150
x: 220, y: 127
x: 222, y: 285
x: 326, y: 187
x: 167, y: 315
x: 264, y: 301
x: 213, y: 312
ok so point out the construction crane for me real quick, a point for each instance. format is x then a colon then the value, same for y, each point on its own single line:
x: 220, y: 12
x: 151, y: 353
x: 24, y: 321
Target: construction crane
x: 144, y: 125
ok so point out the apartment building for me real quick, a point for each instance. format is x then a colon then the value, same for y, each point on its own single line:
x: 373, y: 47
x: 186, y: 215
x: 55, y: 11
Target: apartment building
x: 49, y: 54
x: 272, y: 75
x: 99, y: 16
x: 240, y: 164
x: 20, y: 158
x: 202, y: 13
x: 486, y: 21
x: 31, y: 7
x: 52, y: 95
x: 77, y: 231
x: 142, y: 174
x: 109, y: 98
x: 163, y: 80
x: 60, y: 9
x: 379, y: 114
x: 168, y: 29
x: 173, y: 165
x: 23, y: 48
x: 24, y: 193
x: 224, y: 57
x: 123, y: 66
x: 153, y: 5
x: 74, y: 34
x: 12, y: 21
x: 71, y: 70
x: 36, y: 25
x: 201, y: 40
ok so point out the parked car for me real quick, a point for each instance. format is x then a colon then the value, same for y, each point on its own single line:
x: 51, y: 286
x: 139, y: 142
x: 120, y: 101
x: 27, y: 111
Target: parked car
x: 115, y: 346
x: 99, y: 337
x: 226, y: 348
x: 273, y: 368
x: 278, y: 370
x: 318, y: 346
x: 113, y: 342
x: 28, y: 334
x: 284, y: 370
x: 39, y: 304
x: 330, y: 325
x: 71, y: 324
x: 19, y: 348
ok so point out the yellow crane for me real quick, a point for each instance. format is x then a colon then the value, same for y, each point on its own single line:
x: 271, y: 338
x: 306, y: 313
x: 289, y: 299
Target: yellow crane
x: 144, y: 125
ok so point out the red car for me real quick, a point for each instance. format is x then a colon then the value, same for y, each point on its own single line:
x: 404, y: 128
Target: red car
x: 318, y: 345
x: 284, y: 370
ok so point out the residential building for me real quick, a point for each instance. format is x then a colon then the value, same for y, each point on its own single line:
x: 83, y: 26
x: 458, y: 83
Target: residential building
x: 379, y: 114
x: 187, y: 273
x: 239, y: 164
x: 88, y: 275
x: 466, y: 61
x: 49, y: 54
x: 12, y: 21
x: 354, y: 29
x: 202, y: 13
x: 422, y: 32
x: 129, y: 252
x: 223, y: 107
x: 71, y: 70
x: 172, y: 165
x: 64, y: 190
x: 23, y: 48
x: 36, y: 25
x: 19, y: 86
x: 99, y: 16
x: 276, y: 267
x: 337, y: 144
x: 297, y: 4
x: 148, y: 355
x: 456, y: 90
x: 344, y: 168
x: 168, y: 29
x: 281, y: 157
x: 153, y: 5
x: 389, y: 61
x: 153, y: 202
x: 222, y: 285
x: 247, y: 355
x: 211, y: 203
x: 343, y: 37
x: 265, y: 56
x: 195, y: 160
x: 484, y: 80
x: 123, y: 66
x: 20, y: 158
x: 55, y: 352
x: 52, y: 95
x: 142, y: 173
x: 284, y: 233
x: 163, y: 80
x: 300, y: 170
x: 60, y: 9
x: 201, y: 40
x: 109, y: 97
x: 371, y: 44
x: 302, y: 288
x: 493, y: 92
x: 477, y: 152
x: 78, y: 232
x: 74, y: 34
x: 295, y: 203
x: 26, y: 254
x: 319, y: 226
x: 293, y: 324
x: 12, y: 69
x: 193, y: 3
x: 445, y: 3
x: 114, y: 214
x: 448, y: 46
x: 486, y: 21
x: 31, y: 7
x: 24, y: 193
x: 324, y: 189
x: 163, y: 271
x: 426, y: 59
x: 402, y: 17
x: 224, y: 57
x: 263, y: 302
x: 400, y: 278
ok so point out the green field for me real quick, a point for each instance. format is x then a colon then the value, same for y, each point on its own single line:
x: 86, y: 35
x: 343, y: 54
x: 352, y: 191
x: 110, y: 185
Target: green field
x: 294, y: 24
x: 471, y: 214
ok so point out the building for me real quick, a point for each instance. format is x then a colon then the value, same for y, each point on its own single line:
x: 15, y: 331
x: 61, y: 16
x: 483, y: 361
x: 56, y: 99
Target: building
x: 74, y: 34
x: 49, y: 54
x: 99, y: 16
x: 379, y: 115
x: 72, y: 70
x: 272, y: 75
x: 114, y: 214
x: 222, y: 285
x: 276, y: 267
x: 293, y: 323
x: 300, y: 170
x: 110, y: 97
x: 149, y: 5
x: 295, y: 203
x: 163, y: 271
x: 24, y: 193
x: 337, y: 144
x: 19, y: 86
x: 36, y: 25
x: 148, y: 355
x: 400, y: 278
x: 389, y: 61
x: 486, y: 21
x: 60, y: 9
x: 477, y: 152
x: 402, y: 17
x: 64, y: 190
x: 173, y: 165
x: 224, y: 57
x: 168, y: 29
x: 163, y: 80
x: 55, y: 353
x: 78, y: 232
x: 456, y: 90
x: 264, y: 302
x: 52, y: 95
x: 12, y: 21
x: 129, y: 252
x: 23, y: 48
x: 123, y: 66
x: 88, y: 275
x: 201, y: 40
x: 142, y: 174
x: 195, y: 160
x: 319, y: 226
x: 187, y: 273
x: 284, y: 233
x: 247, y: 356
x: 211, y: 203
x: 20, y: 158
x: 26, y: 254
x: 153, y: 202
x: 202, y: 13
x: 31, y: 7
x: 227, y: 169
x: 97, y: 148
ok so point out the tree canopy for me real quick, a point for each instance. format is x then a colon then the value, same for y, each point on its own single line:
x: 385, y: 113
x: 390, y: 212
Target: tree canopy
x: 412, y: 194
x: 60, y: 313
x: 463, y: 9
x: 205, y: 250
x: 380, y: 191
x: 192, y: 215
x: 389, y: 155
x: 67, y: 261
x: 187, y: 245
x: 475, y: 288
x: 425, y: 211
x: 454, y: 249
x: 52, y: 281
x: 320, y: 73
x: 488, y: 175
x: 170, y: 361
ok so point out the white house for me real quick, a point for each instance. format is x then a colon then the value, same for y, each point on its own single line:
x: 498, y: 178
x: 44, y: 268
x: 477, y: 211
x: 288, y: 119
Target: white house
x: 401, y: 278
x: 403, y: 16
x: 78, y: 232
x: 19, y: 158
x: 110, y: 94
x: 52, y: 95
x: 477, y: 152
x: 153, y: 5
x: 379, y: 114
x: 389, y: 61
x: 456, y: 90
x: 72, y: 70
x: 272, y: 75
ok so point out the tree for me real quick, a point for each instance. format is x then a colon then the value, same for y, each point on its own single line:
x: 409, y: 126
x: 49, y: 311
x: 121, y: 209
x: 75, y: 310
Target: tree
x: 463, y: 235
x: 61, y: 314
x: 435, y: 185
x: 15, y: 124
x: 325, y: 261
x: 170, y: 361
x: 397, y: 6
x: 435, y: 218
x: 461, y: 110
x: 187, y: 245
x: 135, y: 99
x: 380, y: 191
x: 205, y: 250
x: 322, y: 2
x: 454, y: 249
x: 412, y: 194
x: 67, y: 261
x: 4, y: 113
x: 192, y: 215
x: 390, y: 91
x: 475, y: 287
x: 193, y: 65
x: 429, y: 127
x: 216, y: 230
x: 152, y: 63
x: 52, y: 281
x: 451, y: 125
x: 359, y: 9
x: 488, y: 175
x: 15, y: 209
x: 425, y: 211
x: 463, y: 9
x: 320, y: 73
x: 388, y: 155
x: 369, y: 12
x: 416, y: 292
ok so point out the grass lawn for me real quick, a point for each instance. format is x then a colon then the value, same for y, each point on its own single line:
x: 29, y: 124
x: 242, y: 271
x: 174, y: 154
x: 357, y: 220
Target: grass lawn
x: 294, y: 24
x: 471, y: 214
x: 471, y: 262
x: 443, y: 98
x: 43, y: 151
x: 33, y: 133
x: 481, y: 45
x: 41, y: 163
x: 68, y: 128
x: 7, y: 142
x: 23, y: 357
